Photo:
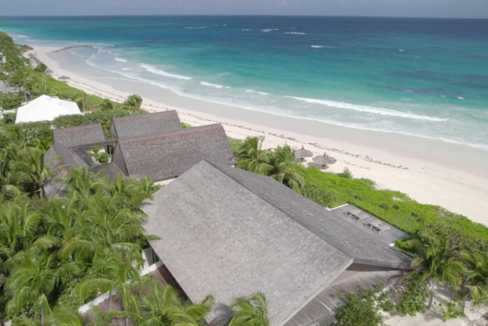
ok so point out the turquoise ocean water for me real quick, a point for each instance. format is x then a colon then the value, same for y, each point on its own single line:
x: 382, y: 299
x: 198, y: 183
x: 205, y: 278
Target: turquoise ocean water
x: 421, y: 77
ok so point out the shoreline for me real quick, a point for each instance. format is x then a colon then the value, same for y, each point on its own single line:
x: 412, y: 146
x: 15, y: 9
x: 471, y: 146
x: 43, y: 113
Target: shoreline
x: 453, y: 186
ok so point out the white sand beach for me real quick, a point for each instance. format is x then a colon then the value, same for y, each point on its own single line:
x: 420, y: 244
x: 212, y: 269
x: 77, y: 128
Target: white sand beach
x: 430, y: 172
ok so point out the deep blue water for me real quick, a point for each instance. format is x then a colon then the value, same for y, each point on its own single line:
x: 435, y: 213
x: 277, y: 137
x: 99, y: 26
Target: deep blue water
x: 422, y: 77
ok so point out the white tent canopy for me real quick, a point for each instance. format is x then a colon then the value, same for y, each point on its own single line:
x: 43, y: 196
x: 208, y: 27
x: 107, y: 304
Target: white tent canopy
x: 45, y: 108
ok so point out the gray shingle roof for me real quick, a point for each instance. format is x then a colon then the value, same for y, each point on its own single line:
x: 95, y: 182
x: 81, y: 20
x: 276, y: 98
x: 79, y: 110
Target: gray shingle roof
x: 79, y: 135
x: 232, y: 233
x: 167, y: 155
x: 145, y: 124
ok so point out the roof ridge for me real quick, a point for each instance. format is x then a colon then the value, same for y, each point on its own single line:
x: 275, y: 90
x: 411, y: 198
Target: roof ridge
x: 168, y: 133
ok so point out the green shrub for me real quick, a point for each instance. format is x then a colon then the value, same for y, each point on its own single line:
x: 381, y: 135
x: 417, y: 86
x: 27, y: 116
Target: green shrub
x: 185, y: 125
x: 319, y: 195
x: 412, y: 300
x: 363, y: 307
x: 9, y: 117
x: 393, y: 207
x: 346, y: 174
x: 103, y: 158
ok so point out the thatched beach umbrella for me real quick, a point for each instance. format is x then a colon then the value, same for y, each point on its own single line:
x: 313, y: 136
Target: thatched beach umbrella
x: 323, y: 160
x: 63, y: 78
x: 302, y: 153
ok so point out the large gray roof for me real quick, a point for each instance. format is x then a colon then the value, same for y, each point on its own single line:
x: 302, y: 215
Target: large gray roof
x: 167, y: 155
x: 79, y: 135
x: 232, y: 233
x: 145, y: 124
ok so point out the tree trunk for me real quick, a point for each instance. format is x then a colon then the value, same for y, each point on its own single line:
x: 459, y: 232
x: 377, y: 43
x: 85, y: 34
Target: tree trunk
x: 431, y: 294
x: 110, y: 300
x: 83, y: 103
x: 43, y: 319
x: 40, y: 189
x: 25, y: 95
x: 6, y: 93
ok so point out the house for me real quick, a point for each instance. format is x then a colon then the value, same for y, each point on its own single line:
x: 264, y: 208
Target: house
x: 162, y: 156
x: 45, y: 108
x: 145, y: 124
x: 166, y: 155
x: 232, y: 233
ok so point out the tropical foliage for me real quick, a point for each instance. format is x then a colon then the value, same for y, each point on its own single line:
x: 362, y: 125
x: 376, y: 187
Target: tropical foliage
x: 363, y: 307
x: 278, y: 164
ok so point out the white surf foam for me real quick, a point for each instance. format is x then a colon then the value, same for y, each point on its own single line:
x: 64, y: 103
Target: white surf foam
x: 126, y: 69
x: 213, y: 85
x: 120, y: 59
x: 461, y: 98
x: 162, y: 72
x: 253, y: 91
x: 196, y: 27
x: 23, y: 36
x: 245, y: 30
x: 267, y: 30
x: 317, y: 46
x: 401, y: 50
x: 296, y: 33
x: 368, y: 109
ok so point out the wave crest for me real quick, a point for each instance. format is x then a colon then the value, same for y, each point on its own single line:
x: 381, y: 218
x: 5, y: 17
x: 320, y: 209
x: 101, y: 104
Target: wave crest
x: 253, y: 91
x: 368, y: 109
x: 213, y: 85
x: 120, y: 59
x: 163, y: 73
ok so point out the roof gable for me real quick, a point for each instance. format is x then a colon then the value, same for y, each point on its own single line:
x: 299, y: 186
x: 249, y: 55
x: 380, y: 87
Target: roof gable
x: 79, y: 135
x: 145, y: 124
x: 167, y: 155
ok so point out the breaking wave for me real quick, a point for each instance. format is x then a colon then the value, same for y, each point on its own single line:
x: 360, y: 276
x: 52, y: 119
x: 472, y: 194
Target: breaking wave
x: 213, y: 85
x: 163, y: 73
x: 368, y: 109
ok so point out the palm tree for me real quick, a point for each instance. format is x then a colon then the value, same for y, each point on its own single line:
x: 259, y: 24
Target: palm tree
x: 65, y: 317
x: 32, y: 168
x: 106, y: 105
x: 250, y: 312
x: 285, y: 168
x: 162, y: 306
x: 20, y: 79
x: 18, y: 224
x: 251, y: 157
x: 436, y: 261
x: 121, y: 278
x: 475, y: 282
x: 133, y: 102
x: 101, y: 319
x: 33, y: 280
x: 80, y: 97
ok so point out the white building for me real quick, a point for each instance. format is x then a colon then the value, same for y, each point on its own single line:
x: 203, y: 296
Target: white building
x: 45, y: 108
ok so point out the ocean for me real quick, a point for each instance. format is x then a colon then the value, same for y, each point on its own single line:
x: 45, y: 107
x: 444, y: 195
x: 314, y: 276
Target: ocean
x: 426, y: 78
